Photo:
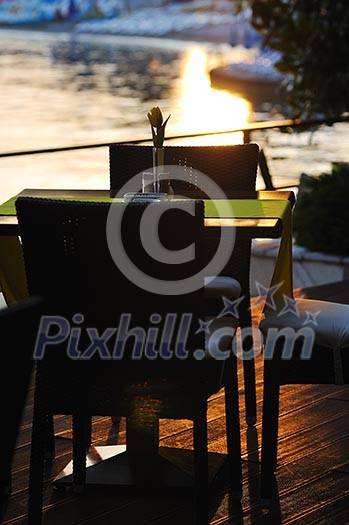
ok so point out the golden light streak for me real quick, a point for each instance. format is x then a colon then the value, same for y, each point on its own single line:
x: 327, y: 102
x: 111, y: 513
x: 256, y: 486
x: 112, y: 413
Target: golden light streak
x: 202, y: 108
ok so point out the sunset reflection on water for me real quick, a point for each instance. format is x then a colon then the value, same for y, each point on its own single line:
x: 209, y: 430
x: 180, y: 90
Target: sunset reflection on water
x: 203, y: 108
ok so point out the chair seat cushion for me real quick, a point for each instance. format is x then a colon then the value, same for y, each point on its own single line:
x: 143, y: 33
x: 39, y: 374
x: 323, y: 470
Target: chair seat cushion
x: 330, y: 321
x: 219, y: 286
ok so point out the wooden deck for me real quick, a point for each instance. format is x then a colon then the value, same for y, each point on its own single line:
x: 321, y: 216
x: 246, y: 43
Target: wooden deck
x: 311, y: 485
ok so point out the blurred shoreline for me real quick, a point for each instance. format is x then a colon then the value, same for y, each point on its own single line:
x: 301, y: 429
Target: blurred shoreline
x: 211, y: 34
x: 64, y: 32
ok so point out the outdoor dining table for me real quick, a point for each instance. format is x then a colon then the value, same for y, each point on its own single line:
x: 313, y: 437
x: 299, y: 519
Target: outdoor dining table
x: 262, y: 214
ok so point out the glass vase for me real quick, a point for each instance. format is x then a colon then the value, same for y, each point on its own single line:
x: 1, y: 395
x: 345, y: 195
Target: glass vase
x: 158, y: 166
x: 165, y: 185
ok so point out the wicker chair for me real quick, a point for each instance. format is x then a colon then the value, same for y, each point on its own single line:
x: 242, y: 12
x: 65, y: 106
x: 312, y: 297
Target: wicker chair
x: 65, y: 247
x: 18, y: 327
x: 232, y: 168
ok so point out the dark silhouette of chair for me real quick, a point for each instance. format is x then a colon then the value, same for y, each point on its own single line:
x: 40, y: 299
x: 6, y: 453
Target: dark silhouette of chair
x: 68, y: 261
x: 233, y: 169
x: 18, y: 328
x: 311, y: 347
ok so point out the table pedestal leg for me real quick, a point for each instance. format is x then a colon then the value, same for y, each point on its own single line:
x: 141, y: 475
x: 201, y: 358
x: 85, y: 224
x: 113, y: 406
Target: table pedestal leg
x: 140, y: 463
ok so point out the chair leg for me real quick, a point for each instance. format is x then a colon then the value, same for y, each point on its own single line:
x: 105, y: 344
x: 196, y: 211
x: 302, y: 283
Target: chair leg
x: 233, y: 431
x: 248, y: 365
x: 5, y: 475
x: 50, y: 438
x: 5, y: 484
x: 80, y: 428
x: 269, y: 433
x: 37, y: 460
x: 250, y: 391
x: 201, y: 465
x: 3, y: 503
x: 88, y: 433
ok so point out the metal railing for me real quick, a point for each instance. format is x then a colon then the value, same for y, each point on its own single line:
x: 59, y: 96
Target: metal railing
x: 246, y: 130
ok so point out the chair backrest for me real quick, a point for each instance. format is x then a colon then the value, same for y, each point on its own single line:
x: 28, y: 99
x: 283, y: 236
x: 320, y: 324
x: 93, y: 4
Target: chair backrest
x: 18, y: 329
x: 232, y: 168
x: 68, y: 262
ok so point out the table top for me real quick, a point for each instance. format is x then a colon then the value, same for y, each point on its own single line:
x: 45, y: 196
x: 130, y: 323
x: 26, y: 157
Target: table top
x: 261, y: 223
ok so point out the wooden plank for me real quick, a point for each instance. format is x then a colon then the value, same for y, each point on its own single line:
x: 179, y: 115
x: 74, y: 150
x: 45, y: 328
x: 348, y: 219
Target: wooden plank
x: 217, y: 429
x: 331, y: 512
x: 300, y: 490
x: 108, y: 509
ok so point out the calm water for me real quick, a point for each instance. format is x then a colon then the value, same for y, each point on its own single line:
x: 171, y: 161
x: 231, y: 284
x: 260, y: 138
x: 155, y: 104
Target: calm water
x: 56, y: 91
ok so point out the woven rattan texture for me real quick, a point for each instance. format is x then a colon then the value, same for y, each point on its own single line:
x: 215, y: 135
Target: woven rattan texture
x: 232, y: 168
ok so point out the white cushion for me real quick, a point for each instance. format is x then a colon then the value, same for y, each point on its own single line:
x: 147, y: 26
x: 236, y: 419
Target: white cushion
x: 331, y: 321
x: 220, y: 286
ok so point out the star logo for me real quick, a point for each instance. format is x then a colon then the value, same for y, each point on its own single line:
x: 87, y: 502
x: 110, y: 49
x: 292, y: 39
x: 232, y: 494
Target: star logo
x: 290, y: 306
x: 266, y: 295
x: 311, y: 318
x: 204, y: 326
x: 231, y: 307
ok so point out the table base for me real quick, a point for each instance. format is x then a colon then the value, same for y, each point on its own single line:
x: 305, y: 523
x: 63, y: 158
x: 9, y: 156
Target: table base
x: 114, y: 466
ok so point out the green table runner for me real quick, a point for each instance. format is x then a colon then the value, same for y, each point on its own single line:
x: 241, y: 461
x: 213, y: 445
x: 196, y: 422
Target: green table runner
x: 9, y: 208
x: 238, y: 208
